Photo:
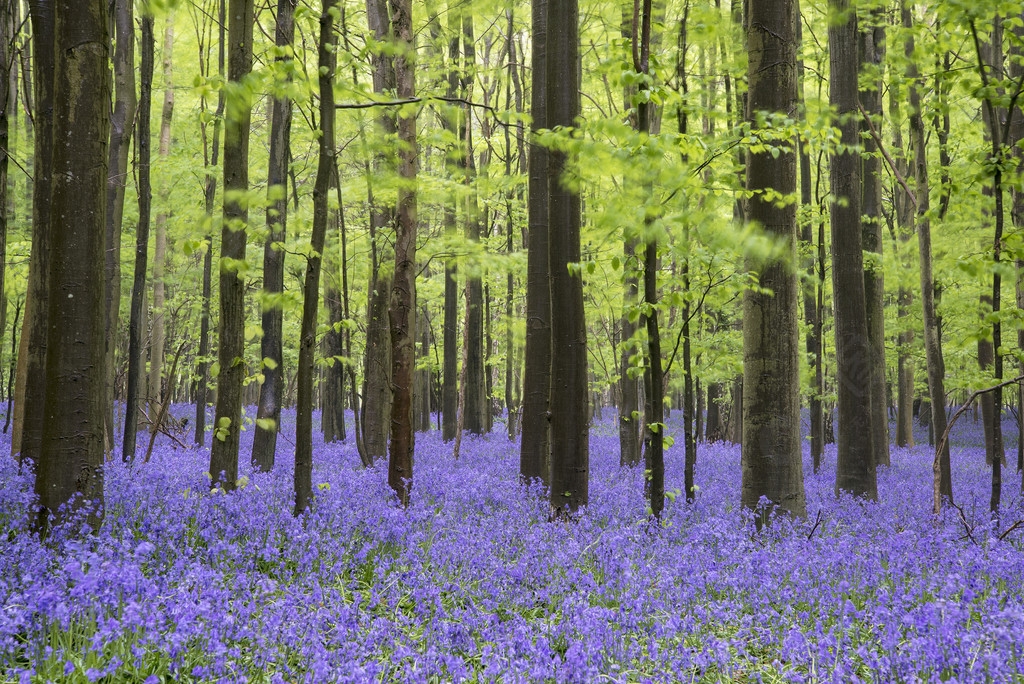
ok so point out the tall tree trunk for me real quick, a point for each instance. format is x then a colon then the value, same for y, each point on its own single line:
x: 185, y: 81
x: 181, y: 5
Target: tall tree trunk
x: 811, y: 312
x: 332, y: 384
x: 158, y: 329
x: 535, y: 444
x: 70, y: 465
x: 402, y: 309
x: 933, y: 353
x: 122, y: 123
x: 268, y: 412
x: 211, y: 156
x: 231, y: 351
x: 136, y: 319
x: 326, y: 62
x: 569, y: 393
x: 871, y: 50
x: 377, y: 404
x: 771, y: 450
x: 855, y: 464
x: 29, y: 396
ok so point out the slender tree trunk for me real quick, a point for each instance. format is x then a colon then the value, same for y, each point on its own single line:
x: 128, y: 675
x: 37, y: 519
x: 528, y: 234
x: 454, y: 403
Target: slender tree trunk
x: 158, y: 329
x: 535, y: 445
x: 268, y: 412
x: 933, y: 353
x: 569, y: 393
x: 855, y: 464
x: 211, y: 155
x: 771, y: 450
x: 332, y: 384
x: 402, y: 309
x: 137, y: 315
x: 231, y: 351
x: 70, y: 465
x: 122, y: 123
x: 326, y: 62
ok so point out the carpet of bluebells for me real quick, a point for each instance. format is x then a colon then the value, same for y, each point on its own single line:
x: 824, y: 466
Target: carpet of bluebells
x: 472, y: 583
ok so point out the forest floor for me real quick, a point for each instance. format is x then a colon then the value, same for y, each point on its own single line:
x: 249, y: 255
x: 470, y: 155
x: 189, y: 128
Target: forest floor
x: 472, y: 583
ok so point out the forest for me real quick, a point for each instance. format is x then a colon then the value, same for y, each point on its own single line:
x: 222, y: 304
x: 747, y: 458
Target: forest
x: 464, y: 340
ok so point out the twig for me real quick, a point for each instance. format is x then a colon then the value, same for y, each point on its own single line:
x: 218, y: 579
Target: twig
x: 963, y: 521
x: 1015, y: 526
x: 949, y: 426
x: 892, y: 164
x: 814, y: 528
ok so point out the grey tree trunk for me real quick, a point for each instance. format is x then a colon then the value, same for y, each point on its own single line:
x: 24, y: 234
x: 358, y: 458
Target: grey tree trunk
x: 771, y: 449
x: 402, y: 307
x: 871, y: 50
x: 933, y: 352
x: 535, y: 445
x: 70, y: 465
x: 231, y: 351
x: 855, y: 464
x: 268, y: 411
x: 137, y: 315
x: 326, y: 62
x: 569, y: 391
x: 158, y: 329
x: 122, y: 124
x: 29, y: 396
x: 211, y: 155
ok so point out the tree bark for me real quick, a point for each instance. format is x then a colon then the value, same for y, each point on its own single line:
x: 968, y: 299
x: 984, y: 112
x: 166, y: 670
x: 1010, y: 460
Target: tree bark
x: 70, y: 465
x: 268, y: 411
x: 158, y: 329
x: 136, y: 319
x: 122, y: 124
x: 211, y: 155
x: 871, y: 50
x: 230, y: 356
x: 326, y: 62
x: 771, y: 449
x: 855, y: 464
x: 402, y: 308
x: 30, y: 396
x: 535, y: 445
x: 933, y: 352
x: 569, y: 397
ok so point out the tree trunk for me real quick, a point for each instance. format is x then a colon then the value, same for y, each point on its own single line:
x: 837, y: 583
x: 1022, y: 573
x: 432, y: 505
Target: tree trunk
x: 933, y: 353
x: 32, y: 355
x: 158, y: 333
x: 231, y: 351
x: 122, y: 123
x: 855, y: 464
x: 326, y: 62
x: 136, y: 319
x: 332, y: 383
x: 569, y: 393
x: 70, y: 465
x: 402, y: 308
x: 771, y: 450
x: 268, y: 411
x: 535, y: 444
x: 871, y: 50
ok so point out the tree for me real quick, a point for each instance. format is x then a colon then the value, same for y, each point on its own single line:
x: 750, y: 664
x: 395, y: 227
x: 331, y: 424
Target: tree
x: 70, y: 466
x: 122, y: 124
x: 268, y: 414
x: 326, y: 62
x: 855, y: 465
x: 402, y: 308
x: 230, y: 356
x: 534, y: 450
x: 771, y: 454
x: 933, y: 352
x: 29, y: 397
x: 136, y: 316
x: 569, y: 400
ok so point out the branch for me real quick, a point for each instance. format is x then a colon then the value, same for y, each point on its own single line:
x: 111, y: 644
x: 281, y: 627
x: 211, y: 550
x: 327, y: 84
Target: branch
x: 941, y: 445
x: 892, y: 164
